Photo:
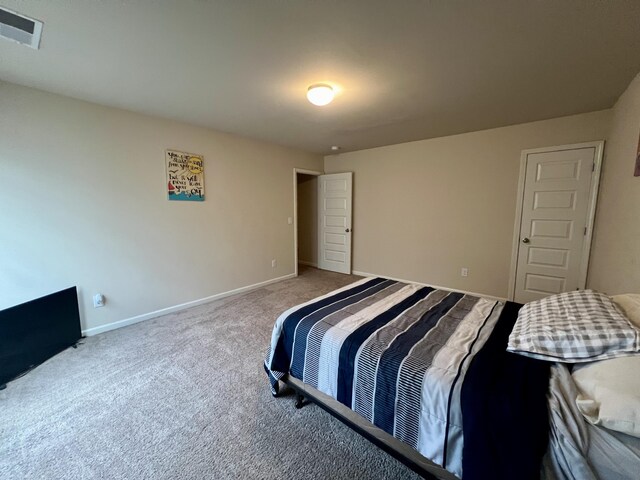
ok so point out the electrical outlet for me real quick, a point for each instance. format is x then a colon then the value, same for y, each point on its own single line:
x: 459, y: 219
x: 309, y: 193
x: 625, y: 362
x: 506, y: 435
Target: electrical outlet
x: 274, y: 264
x: 464, y: 272
x: 98, y: 300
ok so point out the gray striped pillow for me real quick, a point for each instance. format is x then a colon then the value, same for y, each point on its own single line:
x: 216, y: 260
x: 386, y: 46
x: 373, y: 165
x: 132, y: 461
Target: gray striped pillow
x: 573, y: 327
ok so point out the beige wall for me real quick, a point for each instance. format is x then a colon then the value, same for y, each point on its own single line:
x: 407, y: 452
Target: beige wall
x: 84, y: 203
x: 308, y: 219
x: 422, y: 210
x: 615, y: 259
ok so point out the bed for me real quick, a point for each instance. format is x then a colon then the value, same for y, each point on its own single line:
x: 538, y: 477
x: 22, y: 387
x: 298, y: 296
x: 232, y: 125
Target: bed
x: 422, y: 372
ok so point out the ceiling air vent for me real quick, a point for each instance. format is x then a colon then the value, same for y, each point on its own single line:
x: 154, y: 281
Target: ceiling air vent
x: 18, y: 28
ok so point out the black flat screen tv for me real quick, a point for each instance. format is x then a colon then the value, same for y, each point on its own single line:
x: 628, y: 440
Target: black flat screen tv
x: 35, y: 331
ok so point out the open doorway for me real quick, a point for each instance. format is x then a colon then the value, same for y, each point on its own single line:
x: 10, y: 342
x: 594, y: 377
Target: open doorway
x: 305, y: 191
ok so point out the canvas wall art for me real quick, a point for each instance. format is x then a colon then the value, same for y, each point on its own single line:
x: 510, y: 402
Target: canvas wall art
x: 185, y: 176
x: 637, y: 171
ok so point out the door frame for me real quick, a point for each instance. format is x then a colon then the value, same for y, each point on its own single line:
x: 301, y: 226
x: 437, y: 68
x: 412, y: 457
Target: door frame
x: 296, y: 171
x: 591, y: 209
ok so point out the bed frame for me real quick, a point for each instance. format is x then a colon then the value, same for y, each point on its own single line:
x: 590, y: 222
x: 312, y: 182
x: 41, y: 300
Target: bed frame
x: 306, y: 394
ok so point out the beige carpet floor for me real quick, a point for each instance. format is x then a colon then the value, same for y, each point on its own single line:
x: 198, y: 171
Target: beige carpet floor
x: 182, y: 396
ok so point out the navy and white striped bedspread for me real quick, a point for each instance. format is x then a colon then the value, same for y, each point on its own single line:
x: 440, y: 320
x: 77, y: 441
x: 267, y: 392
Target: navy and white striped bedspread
x: 393, y: 352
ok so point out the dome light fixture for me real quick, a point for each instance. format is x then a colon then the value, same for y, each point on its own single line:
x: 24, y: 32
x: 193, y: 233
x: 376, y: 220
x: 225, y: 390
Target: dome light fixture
x: 320, y: 94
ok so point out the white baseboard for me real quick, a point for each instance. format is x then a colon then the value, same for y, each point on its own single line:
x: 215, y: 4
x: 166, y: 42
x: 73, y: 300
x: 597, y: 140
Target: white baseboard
x: 308, y: 264
x: 158, y: 313
x: 365, y: 274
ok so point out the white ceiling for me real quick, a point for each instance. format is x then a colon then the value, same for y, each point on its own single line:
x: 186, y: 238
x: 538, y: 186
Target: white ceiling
x: 406, y: 70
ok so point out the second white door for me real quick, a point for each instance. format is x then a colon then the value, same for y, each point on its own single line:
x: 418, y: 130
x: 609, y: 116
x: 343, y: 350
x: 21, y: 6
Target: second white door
x: 558, y: 202
x: 334, y: 218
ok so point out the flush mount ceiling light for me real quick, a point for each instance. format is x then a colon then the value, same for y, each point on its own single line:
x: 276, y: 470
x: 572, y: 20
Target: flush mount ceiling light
x: 320, y: 94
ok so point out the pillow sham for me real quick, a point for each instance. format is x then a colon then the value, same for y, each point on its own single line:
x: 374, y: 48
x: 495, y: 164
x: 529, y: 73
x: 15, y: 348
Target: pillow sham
x: 610, y: 393
x: 573, y: 327
x: 629, y: 304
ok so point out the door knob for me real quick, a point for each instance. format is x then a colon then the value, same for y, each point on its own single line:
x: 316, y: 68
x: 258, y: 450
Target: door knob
x: 525, y: 240
x: 347, y: 230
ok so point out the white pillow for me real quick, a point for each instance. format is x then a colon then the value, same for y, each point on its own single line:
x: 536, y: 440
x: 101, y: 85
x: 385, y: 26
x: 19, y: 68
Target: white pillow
x: 629, y: 303
x: 610, y: 393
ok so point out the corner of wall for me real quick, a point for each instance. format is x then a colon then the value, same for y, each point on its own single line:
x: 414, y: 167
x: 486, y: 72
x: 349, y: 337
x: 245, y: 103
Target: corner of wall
x: 615, y: 252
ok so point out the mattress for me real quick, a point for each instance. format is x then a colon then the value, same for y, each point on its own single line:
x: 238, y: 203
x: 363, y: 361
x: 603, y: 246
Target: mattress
x: 579, y: 450
x: 398, y: 355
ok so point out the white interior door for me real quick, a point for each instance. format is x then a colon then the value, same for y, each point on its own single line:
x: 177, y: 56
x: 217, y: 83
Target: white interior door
x: 334, y: 222
x: 558, y: 202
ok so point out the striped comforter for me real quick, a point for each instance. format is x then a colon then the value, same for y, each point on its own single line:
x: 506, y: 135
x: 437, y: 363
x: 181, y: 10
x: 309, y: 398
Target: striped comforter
x: 393, y: 352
